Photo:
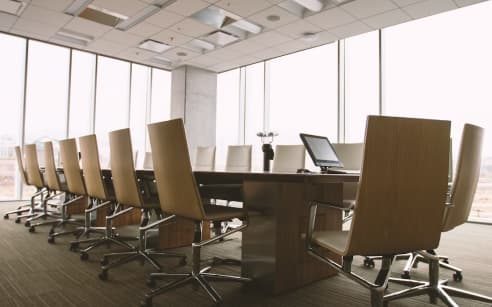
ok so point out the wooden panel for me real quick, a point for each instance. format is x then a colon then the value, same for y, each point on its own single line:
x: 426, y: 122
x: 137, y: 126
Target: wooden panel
x: 78, y: 207
x: 132, y: 218
x: 180, y: 232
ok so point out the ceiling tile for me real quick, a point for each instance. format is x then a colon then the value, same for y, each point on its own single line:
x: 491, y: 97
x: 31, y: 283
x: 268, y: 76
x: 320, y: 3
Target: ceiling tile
x: 106, y: 47
x: 270, y: 38
x: 298, y: 28
x: 29, y: 34
x: 171, y: 38
x: 187, y: 7
x: 246, y: 45
x: 127, y: 7
x: 331, y: 18
x: 172, y: 54
x: 144, y: 29
x: 191, y: 27
x: 285, y: 17
x: 204, y: 61
x: 429, y: 7
x: 403, y: 3
x: 221, y: 67
x: 387, y: 19
x: 136, y: 54
x: 244, y: 8
x: 35, y: 27
x: 350, y: 30
x: 245, y: 60
x: 366, y: 8
x: 462, y: 3
x: 225, y: 54
x: 87, y: 27
x: 268, y: 53
x: 45, y: 16
x: 6, y: 21
x: 323, y: 38
x: 123, y: 38
x: 292, y: 46
x: 54, y: 5
x: 164, y: 19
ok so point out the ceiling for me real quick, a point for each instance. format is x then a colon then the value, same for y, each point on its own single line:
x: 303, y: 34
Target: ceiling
x: 174, y: 25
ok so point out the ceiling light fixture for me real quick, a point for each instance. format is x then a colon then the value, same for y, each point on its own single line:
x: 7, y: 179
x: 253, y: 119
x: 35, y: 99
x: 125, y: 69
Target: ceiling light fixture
x: 312, y: 5
x: 309, y: 36
x: 247, y: 26
x: 73, y: 37
x: 161, y: 60
x: 153, y: 46
x: 202, y: 44
x: 273, y: 18
x: 77, y: 7
x: 143, y: 14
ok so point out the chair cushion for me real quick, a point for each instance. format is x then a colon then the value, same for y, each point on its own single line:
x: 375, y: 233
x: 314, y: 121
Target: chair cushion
x: 231, y: 192
x: 335, y: 241
x: 222, y: 213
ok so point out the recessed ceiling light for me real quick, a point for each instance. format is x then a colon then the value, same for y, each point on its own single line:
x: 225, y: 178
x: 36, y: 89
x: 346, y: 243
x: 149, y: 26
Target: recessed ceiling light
x: 309, y: 36
x: 181, y: 53
x: 273, y: 18
x: 12, y: 7
x: 73, y: 37
x: 153, y: 46
x: 312, y: 5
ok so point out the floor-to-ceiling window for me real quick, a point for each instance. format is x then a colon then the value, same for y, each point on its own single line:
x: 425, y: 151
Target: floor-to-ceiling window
x: 440, y: 67
x: 12, y: 67
x: 140, y: 97
x: 161, y: 95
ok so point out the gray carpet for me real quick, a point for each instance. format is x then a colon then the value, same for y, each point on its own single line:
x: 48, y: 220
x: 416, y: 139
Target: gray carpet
x: 35, y: 273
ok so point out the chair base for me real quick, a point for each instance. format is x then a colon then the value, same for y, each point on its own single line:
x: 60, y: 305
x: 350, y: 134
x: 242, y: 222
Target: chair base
x: 96, y: 242
x: 61, y: 223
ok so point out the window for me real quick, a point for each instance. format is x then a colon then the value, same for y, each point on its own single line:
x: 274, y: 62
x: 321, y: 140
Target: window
x: 81, y: 93
x: 228, y: 124
x: 140, y: 95
x: 12, y: 63
x: 112, y: 101
x: 440, y: 67
x: 361, y: 83
x: 161, y: 95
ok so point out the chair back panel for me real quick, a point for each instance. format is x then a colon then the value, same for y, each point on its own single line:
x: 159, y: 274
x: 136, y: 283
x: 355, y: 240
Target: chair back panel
x: 33, y: 173
x: 20, y: 165
x: 71, y: 167
x: 238, y: 158
x: 467, y: 175
x: 289, y: 158
x: 204, y: 158
x: 125, y: 183
x: 350, y: 154
x: 178, y: 192
x: 50, y: 174
x: 402, y: 189
x: 91, y: 167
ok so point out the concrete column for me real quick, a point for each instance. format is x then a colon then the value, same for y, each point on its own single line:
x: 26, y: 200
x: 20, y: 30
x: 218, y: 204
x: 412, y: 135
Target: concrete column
x: 194, y: 98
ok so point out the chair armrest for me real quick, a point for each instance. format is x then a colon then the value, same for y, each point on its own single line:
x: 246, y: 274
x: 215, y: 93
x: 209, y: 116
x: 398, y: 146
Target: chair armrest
x: 313, y: 207
x: 157, y: 223
x: 94, y: 208
x: 119, y: 213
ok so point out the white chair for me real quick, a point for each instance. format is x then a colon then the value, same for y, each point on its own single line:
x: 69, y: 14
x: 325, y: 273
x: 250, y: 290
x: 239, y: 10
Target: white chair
x: 238, y: 158
x: 204, y: 158
x: 289, y: 158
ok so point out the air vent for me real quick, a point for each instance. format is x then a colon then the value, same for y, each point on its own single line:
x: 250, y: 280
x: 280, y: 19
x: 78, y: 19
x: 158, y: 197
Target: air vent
x: 102, y: 16
x: 73, y: 37
x: 221, y: 38
x: 12, y: 7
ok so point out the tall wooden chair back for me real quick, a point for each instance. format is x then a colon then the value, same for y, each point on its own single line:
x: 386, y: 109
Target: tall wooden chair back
x: 20, y: 165
x: 91, y: 167
x: 71, y: 168
x: 50, y: 173
x: 33, y: 172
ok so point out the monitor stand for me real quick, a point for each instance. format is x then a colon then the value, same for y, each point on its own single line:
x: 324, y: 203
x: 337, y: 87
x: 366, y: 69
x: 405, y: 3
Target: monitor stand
x: 328, y: 170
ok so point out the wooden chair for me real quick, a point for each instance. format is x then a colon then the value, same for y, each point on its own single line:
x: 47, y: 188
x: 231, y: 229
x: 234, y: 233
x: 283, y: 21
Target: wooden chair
x: 289, y: 158
x: 31, y: 208
x: 204, y: 158
x: 128, y: 193
x: 400, y: 199
x: 456, y: 213
x: 179, y: 196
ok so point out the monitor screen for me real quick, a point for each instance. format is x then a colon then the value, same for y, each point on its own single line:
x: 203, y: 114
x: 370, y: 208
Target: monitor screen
x: 321, y: 151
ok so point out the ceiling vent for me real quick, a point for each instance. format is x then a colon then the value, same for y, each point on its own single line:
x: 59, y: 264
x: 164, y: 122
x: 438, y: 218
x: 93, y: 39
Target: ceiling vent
x: 102, y: 16
x: 12, y: 7
x: 73, y: 37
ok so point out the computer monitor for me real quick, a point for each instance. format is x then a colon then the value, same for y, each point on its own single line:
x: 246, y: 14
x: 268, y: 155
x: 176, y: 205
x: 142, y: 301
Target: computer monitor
x: 321, y: 151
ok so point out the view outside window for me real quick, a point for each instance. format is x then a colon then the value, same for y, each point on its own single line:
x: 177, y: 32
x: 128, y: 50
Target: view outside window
x: 112, y: 101
x: 12, y: 63
x: 227, y: 118
x: 161, y: 95
x: 82, y: 88
x: 361, y: 83
x: 440, y: 67
x: 304, y: 95
x: 140, y: 95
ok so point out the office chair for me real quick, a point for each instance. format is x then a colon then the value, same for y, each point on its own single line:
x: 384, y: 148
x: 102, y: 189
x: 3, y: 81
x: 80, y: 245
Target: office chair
x: 60, y: 190
x: 32, y: 207
x: 128, y: 193
x: 289, y: 158
x: 455, y: 214
x: 179, y: 197
x: 390, y: 218
x: 204, y: 158
x: 99, y: 190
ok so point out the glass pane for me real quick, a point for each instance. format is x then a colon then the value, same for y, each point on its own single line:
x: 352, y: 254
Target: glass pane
x: 112, y: 103
x: 81, y: 93
x: 361, y: 83
x: 138, y: 108
x: 227, y: 118
x: 435, y: 68
x: 254, y: 110
x: 303, y: 95
x: 161, y: 95
x: 12, y: 63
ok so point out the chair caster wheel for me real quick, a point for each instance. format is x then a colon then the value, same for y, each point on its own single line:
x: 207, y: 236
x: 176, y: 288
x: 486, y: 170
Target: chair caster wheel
x: 150, y: 283
x: 17, y: 221
x: 32, y: 229
x: 457, y: 276
x: 104, y: 261
x: 27, y: 224
x: 6, y: 217
x: 103, y: 275
x: 51, y: 240
x: 18, y: 213
x: 405, y: 275
x: 147, y: 302
x: 369, y: 263
x: 182, y: 262
x: 84, y: 256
